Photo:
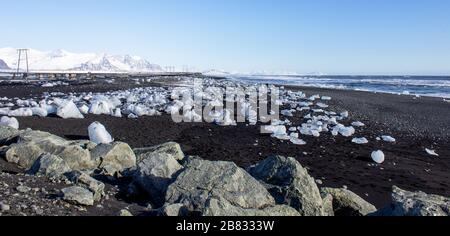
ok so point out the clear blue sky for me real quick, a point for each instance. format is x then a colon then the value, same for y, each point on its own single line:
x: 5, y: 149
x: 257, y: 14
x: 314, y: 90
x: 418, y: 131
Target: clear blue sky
x: 328, y: 36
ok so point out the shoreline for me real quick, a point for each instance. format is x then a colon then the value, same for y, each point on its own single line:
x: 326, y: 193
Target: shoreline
x: 336, y: 162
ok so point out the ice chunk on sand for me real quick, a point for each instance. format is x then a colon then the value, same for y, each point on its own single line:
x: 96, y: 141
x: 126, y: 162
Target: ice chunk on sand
x: 297, y: 141
x: 68, y: 110
x: 344, y: 131
x: 360, y: 141
x: 38, y: 111
x: 347, y: 131
x: 431, y: 152
x: 48, y: 85
x: 117, y: 113
x: 276, y: 129
x: 388, y: 139
x: 287, y: 113
x: 303, y: 108
x: 378, y: 157
x: 98, y: 134
x: 326, y: 98
x: 101, y: 107
x: 281, y: 136
x: 358, y: 124
x: 322, y: 105
x: 4, y: 111
x: 9, y: 121
x: 310, y: 130
x: 132, y: 116
x: 345, y: 115
x: 50, y: 108
x: 21, y: 112
x: 314, y: 97
x: 84, y: 109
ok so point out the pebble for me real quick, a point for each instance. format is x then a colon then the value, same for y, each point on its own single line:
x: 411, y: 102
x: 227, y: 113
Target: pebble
x: 37, y: 210
x: 23, y: 189
x: 4, y: 207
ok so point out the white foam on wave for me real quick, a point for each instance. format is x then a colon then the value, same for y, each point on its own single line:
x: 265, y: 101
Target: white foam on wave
x: 432, y: 87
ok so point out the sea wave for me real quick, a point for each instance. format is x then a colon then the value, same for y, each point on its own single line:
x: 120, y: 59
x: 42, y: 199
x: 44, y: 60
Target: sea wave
x: 414, y: 85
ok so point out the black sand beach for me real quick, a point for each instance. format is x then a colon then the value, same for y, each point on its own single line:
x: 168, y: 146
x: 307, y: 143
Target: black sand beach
x: 416, y: 123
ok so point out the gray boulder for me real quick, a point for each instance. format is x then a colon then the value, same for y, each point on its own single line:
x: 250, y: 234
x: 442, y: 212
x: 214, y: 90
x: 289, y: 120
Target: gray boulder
x: 85, y: 144
x: 202, y: 180
x: 405, y: 203
x: 177, y: 209
x: 155, y: 173
x: 7, y: 134
x: 114, y: 158
x: 84, y: 180
x: 49, y: 165
x: 216, y: 207
x: 171, y: 148
x: 327, y: 204
x: 78, y: 196
x: 188, y: 160
x: 32, y: 144
x: 290, y: 184
x: 347, y: 203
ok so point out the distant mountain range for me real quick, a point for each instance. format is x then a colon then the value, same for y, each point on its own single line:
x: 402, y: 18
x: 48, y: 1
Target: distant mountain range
x: 3, y: 65
x: 67, y: 61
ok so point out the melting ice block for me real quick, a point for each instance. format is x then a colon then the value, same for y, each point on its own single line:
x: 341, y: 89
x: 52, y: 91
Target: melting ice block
x: 101, y: 107
x: 9, y: 121
x: 98, y: 134
x: 21, y: 112
x: 39, y: 111
x: 388, y: 139
x: 275, y: 129
x: 117, y: 113
x: 360, y: 141
x: 297, y: 141
x: 84, y: 109
x: 322, y: 105
x: 68, y: 110
x: 358, y: 124
x: 378, y: 157
x: 344, y: 131
x: 431, y: 152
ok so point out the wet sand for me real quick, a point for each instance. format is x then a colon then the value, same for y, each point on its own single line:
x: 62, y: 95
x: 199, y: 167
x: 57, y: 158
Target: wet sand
x: 416, y: 124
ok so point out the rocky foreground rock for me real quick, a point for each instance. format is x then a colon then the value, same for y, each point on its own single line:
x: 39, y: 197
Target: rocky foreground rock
x: 31, y: 145
x: 347, y: 203
x: 173, y: 184
x: 290, y: 184
x: 405, y: 203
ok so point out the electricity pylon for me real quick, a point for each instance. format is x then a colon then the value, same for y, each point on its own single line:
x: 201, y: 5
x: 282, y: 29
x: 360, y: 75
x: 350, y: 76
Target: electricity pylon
x: 21, y: 51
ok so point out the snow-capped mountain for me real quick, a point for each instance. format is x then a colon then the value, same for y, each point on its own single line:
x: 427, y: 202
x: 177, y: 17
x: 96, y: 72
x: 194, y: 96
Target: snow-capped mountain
x: 3, y: 65
x: 215, y: 72
x: 63, y: 60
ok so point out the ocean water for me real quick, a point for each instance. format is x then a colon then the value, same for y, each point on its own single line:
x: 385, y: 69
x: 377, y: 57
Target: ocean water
x: 432, y: 86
